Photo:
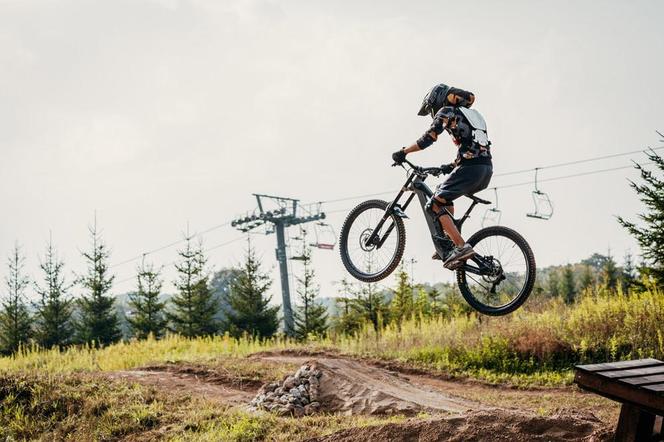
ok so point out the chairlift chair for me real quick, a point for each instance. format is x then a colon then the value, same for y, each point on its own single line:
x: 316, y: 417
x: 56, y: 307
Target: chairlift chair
x: 543, y: 205
x: 300, y: 239
x: 493, y: 214
x: 326, y: 238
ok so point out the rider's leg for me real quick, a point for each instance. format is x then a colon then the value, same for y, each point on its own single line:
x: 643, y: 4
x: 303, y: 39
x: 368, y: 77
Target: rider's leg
x: 444, y: 210
x: 447, y: 223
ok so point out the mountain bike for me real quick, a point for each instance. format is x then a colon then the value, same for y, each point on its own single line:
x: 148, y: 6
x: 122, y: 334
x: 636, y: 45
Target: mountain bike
x: 495, y: 281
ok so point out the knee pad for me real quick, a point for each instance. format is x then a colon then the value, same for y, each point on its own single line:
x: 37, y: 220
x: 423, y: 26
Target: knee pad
x: 442, y: 207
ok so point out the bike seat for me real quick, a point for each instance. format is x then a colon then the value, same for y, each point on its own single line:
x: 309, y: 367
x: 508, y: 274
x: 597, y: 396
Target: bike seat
x: 478, y: 200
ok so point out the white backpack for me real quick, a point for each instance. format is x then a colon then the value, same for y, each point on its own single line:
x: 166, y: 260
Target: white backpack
x: 478, y: 124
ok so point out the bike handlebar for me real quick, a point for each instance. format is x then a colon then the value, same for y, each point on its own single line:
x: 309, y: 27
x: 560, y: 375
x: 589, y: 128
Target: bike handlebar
x: 435, y: 171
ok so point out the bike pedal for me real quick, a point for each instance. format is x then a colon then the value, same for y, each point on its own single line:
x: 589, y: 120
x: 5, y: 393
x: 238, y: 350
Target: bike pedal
x: 457, y: 263
x: 453, y: 265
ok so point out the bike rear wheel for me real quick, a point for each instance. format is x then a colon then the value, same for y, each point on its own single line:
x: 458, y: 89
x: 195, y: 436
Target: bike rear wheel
x: 371, y: 263
x: 511, y: 281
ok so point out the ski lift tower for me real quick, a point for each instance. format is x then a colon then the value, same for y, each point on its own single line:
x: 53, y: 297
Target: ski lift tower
x: 274, y: 214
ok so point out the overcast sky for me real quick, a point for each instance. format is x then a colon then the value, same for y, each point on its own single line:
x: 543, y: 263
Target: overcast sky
x: 161, y: 113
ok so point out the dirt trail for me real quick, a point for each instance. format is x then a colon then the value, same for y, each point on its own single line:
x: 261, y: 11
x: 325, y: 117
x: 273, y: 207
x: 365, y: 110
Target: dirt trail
x: 460, y: 411
x: 181, y: 382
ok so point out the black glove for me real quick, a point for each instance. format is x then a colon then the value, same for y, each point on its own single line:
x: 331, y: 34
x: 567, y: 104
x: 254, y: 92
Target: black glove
x: 446, y: 169
x: 399, y: 156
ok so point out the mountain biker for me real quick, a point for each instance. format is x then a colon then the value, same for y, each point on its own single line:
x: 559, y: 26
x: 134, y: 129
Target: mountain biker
x: 472, y: 168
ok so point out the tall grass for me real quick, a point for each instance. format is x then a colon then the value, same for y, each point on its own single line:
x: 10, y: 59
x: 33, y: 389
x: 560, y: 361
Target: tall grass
x: 527, y: 346
x: 131, y: 354
x: 542, y: 344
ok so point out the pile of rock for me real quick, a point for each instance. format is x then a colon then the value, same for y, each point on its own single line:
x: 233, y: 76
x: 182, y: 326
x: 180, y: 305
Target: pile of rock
x: 296, y: 395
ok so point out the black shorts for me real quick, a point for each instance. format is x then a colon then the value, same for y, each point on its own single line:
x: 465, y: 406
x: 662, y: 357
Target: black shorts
x: 466, y: 180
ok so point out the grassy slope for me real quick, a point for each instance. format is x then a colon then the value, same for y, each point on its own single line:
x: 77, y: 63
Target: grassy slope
x: 87, y: 407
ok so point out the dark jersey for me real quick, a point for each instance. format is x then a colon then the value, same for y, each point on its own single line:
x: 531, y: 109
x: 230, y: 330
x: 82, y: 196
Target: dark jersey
x: 461, y: 130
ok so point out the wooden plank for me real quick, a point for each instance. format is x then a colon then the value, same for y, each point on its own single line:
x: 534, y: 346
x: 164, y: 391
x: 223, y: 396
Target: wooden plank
x: 643, y: 380
x: 648, y: 397
x: 619, y: 365
x: 634, y: 424
x: 619, y: 374
x: 658, y: 388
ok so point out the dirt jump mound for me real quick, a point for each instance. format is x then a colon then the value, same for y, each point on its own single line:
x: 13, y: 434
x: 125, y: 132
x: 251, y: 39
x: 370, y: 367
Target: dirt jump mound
x: 346, y: 386
x: 341, y: 386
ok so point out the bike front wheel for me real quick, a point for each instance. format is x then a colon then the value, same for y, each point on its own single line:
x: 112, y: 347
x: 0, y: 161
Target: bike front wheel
x: 372, y: 262
x: 507, y: 274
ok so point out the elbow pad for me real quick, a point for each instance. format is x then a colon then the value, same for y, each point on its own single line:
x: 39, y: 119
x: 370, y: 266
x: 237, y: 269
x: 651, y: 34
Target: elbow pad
x: 426, y: 140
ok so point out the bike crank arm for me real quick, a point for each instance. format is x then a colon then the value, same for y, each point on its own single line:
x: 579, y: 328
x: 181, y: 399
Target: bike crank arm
x: 481, y: 269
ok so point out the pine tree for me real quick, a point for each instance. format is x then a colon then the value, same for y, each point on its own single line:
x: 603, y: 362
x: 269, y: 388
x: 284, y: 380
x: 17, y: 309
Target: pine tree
x: 610, y: 274
x: 650, y: 235
x: 554, y: 284
x: 347, y: 320
x: 310, y: 316
x: 628, y: 278
x: 597, y: 261
x: 401, y: 306
x: 249, y: 303
x: 98, y: 321
x: 422, y: 306
x: 587, y: 278
x: 220, y: 284
x: 147, y: 311
x: 54, y: 322
x: 15, y: 321
x: 369, y: 304
x: 435, y: 302
x: 567, y: 284
x: 195, y: 306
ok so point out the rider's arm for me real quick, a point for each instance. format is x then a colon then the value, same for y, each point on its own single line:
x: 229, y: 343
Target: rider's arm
x: 413, y: 148
x: 437, y: 127
x: 429, y: 137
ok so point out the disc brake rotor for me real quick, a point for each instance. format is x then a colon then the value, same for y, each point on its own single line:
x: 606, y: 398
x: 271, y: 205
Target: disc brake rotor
x: 364, y: 236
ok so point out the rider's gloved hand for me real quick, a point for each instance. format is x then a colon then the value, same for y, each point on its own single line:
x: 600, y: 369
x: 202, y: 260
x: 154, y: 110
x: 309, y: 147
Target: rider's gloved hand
x: 446, y: 169
x: 399, y: 156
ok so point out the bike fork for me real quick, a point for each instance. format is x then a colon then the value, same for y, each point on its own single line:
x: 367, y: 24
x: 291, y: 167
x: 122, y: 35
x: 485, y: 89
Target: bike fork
x: 393, y: 207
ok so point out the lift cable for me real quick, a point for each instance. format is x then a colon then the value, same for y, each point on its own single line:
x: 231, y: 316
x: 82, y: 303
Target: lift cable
x: 168, y: 246
x: 515, y: 172
x: 586, y: 160
x: 173, y: 262
x: 368, y: 195
x: 525, y: 183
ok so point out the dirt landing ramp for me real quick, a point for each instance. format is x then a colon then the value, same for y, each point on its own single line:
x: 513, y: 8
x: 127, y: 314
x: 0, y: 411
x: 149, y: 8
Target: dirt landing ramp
x: 350, y: 387
x: 484, y: 426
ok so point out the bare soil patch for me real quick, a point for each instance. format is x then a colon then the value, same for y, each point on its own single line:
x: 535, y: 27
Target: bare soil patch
x: 485, y: 426
x: 191, y: 380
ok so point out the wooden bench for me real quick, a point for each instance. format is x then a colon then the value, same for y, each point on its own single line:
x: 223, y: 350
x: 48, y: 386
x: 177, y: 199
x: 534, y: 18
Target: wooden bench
x: 639, y: 386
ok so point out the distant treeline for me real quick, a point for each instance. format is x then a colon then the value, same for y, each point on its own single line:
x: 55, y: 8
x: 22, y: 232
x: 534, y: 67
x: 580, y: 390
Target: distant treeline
x: 236, y: 301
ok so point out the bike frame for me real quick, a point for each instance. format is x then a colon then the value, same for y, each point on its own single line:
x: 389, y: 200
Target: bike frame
x: 417, y: 187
